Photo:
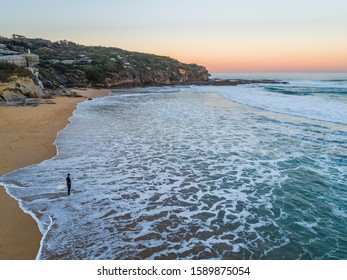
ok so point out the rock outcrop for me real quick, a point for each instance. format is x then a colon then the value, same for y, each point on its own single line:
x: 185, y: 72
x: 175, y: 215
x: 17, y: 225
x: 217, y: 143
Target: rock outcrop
x: 19, y: 76
x: 21, y: 60
x: 31, y: 59
x: 14, y: 59
x: 20, y: 88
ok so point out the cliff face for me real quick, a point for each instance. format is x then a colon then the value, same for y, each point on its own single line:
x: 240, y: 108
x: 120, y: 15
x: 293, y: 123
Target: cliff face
x: 135, y: 77
x: 19, y: 80
x: 19, y: 88
x: 19, y: 85
x: 66, y: 64
x: 16, y: 58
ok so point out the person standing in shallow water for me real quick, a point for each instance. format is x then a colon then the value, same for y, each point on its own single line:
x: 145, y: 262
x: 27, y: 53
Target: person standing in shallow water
x: 68, y: 183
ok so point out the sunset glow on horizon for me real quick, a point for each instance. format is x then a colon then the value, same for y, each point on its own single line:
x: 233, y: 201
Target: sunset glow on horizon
x: 222, y: 35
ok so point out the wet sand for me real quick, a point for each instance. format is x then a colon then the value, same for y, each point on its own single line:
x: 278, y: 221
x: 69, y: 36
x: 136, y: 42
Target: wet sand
x: 26, y: 136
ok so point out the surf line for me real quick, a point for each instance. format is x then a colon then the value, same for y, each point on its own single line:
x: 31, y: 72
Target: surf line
x: 39, y: 253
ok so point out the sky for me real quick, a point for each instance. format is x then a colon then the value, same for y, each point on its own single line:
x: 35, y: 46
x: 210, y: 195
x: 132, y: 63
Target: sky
x: 223, y: 35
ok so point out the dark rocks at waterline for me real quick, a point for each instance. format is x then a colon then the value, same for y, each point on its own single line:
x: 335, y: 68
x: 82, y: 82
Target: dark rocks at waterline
x: 236, y: 82
x: 211, y: 82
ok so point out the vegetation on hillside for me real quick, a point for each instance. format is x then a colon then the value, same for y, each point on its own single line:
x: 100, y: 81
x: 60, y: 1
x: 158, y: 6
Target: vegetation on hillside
x: 70, y: 64
x: 9, y: 70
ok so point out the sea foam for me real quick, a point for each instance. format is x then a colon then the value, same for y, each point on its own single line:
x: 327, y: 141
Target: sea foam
x: 184, y: 173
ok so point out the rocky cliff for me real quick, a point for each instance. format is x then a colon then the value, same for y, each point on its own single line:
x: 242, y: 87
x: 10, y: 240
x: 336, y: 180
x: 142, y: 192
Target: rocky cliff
x: 66, y: 64
x: 19, y: 86
x: 20, y: 59
x: 19, y: 81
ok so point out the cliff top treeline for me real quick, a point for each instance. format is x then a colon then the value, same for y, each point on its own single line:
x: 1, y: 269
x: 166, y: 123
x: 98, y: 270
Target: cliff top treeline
x: 68, y: 64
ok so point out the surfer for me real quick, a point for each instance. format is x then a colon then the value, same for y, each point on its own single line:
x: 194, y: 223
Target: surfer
x: 68, y: 183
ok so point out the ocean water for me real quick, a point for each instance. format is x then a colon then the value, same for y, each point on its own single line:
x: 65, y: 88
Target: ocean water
x: 197, y: 172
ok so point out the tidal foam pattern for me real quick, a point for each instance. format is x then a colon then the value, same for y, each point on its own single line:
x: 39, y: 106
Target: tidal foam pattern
x: 182, y: 173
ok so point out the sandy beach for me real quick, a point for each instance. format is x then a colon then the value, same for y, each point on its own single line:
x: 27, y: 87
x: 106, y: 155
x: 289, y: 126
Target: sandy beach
x: 27, y: 135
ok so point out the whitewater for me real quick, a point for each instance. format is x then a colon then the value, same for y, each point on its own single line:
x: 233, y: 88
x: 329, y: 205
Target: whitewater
x: 196, y: 172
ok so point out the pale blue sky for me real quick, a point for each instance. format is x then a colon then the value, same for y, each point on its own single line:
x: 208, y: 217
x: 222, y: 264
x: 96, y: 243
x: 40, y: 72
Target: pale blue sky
x: 219, y: 33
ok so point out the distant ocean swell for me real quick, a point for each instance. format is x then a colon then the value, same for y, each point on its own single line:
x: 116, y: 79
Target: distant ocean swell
x: 196, y: 173
x: 306, y: 90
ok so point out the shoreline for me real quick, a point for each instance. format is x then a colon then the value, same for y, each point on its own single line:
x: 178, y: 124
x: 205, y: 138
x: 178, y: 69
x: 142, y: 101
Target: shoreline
x: 28, y: 134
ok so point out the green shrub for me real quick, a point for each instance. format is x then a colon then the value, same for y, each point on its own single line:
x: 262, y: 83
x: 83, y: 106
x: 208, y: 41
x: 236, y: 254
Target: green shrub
x: 8, y: 70
x: 101, y: 68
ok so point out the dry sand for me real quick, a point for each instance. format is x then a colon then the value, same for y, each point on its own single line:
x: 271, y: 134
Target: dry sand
x: 26, y: 136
